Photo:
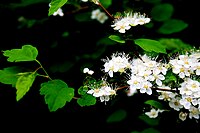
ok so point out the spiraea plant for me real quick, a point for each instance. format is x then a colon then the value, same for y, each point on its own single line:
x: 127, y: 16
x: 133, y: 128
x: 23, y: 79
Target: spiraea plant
x: 164, y: 69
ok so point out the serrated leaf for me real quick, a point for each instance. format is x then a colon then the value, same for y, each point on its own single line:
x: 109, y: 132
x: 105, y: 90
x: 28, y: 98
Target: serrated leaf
x: 56, y: 94
x: 55, y: 5
x: 162, y: 12
x: 117, y: 116
x: 149, y: 121
x: 116, y: 38
x: 86, y: 100
x: 9, y: 75
x: 154, y: 103
x: 24, y: 83
x: 150, y: 45
x: 26, y: 53
x: 172, y: 26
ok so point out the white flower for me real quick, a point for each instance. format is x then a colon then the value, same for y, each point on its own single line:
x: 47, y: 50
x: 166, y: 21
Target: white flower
x: 183, y: 116
x: 153, y: 113
x: 194, y: 112
x: 84, y: 0
x: 86, y: 70
x: 146, y: 87
x: 118, y: 63
x: 99, y: 16
x: 131, y: 19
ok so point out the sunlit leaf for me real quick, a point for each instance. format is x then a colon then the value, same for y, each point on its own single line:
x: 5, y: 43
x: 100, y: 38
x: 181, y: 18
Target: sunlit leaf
x: 150, y: 45
x: 24, y: 83
x: 117, y: 116
x: 162, y: 12
x: 86, y: 100
x: 172, y: 26
x: 116, y: 38
x: 26, y: 53
x: 55, y: 5
x: 56, y: 94
x: 9, y: 75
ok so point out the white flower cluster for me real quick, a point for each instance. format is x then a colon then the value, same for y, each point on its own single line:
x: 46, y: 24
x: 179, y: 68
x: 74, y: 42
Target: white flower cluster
x: 187, y: 99
x: 104, y: 92
x: 131, y: 19
x: 145, y: 74
x: 99, y: 16
x: 118, y: 63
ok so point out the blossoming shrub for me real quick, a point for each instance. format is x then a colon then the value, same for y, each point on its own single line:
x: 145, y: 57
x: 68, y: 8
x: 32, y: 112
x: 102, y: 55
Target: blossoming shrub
x: 166, y: 69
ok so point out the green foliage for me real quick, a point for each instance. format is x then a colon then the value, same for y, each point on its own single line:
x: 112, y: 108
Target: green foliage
x: 116, y: 38
x: 55, y: 5
x: 153, y: 1
x: 150, y: 45
x: 9, y: 75
x: 162, y: 12
x: 149, y: 121
x: 155, y: 104
x: 147, y: 130
x: 24, y: 83
x: 106, y: 3
x: 174, y: 44
x: 117, y: 116
x: 86, y: 100
x: 56, y: 93
x: 172, y: 26
x: 26, y: 53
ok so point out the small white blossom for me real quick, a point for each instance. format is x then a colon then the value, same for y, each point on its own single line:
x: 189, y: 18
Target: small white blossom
x: 153, y: 113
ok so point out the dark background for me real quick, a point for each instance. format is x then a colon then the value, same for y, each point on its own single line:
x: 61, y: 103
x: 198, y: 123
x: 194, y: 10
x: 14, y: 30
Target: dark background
x: 72, y: 117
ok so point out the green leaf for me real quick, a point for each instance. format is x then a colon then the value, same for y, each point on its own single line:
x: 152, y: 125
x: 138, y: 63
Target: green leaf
x: 55, y: 5
x: 153, y: 1
x: 147, y: 130
x: 162, y: 12
x: 154, y: 103
x: 26, y: 53
x: 149, y: 121
x: 83, y: 17
x: 82, y: 90
x: 117, y: 116
x: 172, y: 26
x: 56, y: 94
x: 106, y: 3
x: 86, y: 100
x: 116, y: 38
x: 24, y: 83
x: 150, y: 130
x: 150, y: 45
x: 9, y: 75
x: 174, y: 44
